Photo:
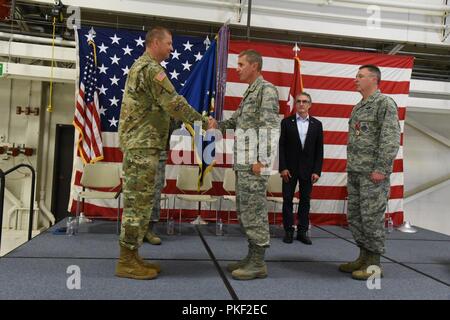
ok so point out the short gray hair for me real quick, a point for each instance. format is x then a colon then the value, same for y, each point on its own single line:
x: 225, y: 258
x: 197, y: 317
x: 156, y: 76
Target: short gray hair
x: 252, y: 57
x: 303, y: 93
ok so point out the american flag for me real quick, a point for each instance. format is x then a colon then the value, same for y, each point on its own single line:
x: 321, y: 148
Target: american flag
x: 328, y: 76
x: 87, y: 118
x: 115, y: 52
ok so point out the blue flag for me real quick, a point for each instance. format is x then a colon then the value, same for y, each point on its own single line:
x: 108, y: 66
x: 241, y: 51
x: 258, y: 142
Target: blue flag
x: 200, y: 86
x: 116, y: 51
x: 199, y: 91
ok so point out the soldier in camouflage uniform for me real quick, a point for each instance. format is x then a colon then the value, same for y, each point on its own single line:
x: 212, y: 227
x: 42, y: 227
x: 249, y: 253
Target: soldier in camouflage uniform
x: 373, y: 143
x: 148, y: 103
x: 160, y: 179
x: 257, y: 114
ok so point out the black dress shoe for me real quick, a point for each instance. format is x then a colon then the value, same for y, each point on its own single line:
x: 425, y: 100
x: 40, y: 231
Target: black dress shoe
x: 288, y: 237
x: 303, y: 237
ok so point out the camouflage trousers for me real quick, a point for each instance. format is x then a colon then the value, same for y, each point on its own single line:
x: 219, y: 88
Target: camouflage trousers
x: 366, y: 208
x: 251, y: 207
x: 159, y: 185
x: 139, y: 166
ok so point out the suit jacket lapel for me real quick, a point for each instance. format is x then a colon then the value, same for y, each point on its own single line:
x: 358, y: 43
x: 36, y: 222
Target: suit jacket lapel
x: 295, y: 127
x: 309, y: 132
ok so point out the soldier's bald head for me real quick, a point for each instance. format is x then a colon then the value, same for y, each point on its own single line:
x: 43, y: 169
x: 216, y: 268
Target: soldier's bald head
x: 156, y: 33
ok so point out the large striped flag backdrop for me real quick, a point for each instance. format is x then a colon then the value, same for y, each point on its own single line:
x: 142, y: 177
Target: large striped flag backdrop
x: 328, y: 75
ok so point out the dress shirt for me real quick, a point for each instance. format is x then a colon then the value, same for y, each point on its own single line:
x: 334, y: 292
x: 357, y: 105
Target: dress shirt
x: 302, y: 127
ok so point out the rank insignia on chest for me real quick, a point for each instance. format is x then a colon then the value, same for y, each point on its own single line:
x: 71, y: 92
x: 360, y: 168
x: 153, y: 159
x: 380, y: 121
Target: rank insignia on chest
x: 357, y: 128
x: 178, y: 107
x: 364, y: 127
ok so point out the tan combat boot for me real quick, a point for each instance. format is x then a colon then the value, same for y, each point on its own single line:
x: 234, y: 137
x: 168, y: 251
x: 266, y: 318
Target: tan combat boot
x: 151, y: 237
x: 129, y: 266
x: 151, y: 265
x: 239, y: 264
x: 364, y: 273
x: 349, y: 267
x: 255, y: 268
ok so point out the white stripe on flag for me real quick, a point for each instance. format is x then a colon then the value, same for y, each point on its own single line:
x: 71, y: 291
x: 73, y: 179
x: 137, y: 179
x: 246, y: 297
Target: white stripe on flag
x: 331, y: 151
x: 237, y: 89
x: 324, y: 69
x: 337, y: 206
x: 317, y: 206
x: 329, y: 179
x: 278, y: 65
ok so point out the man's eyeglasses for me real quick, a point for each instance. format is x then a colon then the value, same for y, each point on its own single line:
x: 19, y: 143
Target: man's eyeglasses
x: 302, y: 101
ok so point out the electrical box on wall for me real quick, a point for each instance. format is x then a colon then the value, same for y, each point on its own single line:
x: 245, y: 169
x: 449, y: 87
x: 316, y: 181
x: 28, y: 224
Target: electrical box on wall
x: 15, y: 151
x: 27, y: 110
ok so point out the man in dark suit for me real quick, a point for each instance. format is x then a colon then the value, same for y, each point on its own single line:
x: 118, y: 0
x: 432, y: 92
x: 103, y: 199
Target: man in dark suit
x: 301, y: 157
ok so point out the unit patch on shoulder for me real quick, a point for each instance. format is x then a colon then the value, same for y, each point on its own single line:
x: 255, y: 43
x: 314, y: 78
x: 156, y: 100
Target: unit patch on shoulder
x: 160, y: 76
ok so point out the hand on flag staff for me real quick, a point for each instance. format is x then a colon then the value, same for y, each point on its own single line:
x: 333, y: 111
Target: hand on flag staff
x: 212, y: 123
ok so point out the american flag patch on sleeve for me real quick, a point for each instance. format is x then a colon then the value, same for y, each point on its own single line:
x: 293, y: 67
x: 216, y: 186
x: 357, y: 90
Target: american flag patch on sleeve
x: 160, y: 76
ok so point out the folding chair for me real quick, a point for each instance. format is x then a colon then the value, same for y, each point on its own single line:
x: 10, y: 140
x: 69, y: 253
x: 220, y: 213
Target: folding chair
x: 100, y: 175
x: 165, y: 199
x: 187, y: 181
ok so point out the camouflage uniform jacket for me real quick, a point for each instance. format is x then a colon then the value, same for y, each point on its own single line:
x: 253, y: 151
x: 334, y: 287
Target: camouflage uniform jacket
x: 258, y: 112
x: 148, y: 103
x: 374, y: 135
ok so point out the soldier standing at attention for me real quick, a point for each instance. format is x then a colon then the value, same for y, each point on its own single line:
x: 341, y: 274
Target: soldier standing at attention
x: 373, y: 143
x: 148, y: 103
x: 257, y: 118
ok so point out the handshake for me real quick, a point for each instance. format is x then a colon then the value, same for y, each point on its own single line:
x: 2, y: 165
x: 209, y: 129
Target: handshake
x: 212, y: 123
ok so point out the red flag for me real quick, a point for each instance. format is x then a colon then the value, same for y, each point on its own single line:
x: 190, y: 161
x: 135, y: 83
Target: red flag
x: 5, y: 9
x: 296, y: 88
x: 87, y: 117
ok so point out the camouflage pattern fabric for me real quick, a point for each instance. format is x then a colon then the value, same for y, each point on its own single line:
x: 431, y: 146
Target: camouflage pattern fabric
x: 148, y: 103
x: 251, y: 207
x: 373, y: 143
x: 159, y: 185
x: 366, y: 207
x: 257, y: 113
x: 139, y: 166
x: 374, y: 135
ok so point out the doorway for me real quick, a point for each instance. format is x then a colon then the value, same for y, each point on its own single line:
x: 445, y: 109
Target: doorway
x: 62, y: 170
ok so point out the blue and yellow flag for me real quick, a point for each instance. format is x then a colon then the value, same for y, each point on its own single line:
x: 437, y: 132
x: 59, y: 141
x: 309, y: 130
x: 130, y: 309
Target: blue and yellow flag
x: 199, y: 91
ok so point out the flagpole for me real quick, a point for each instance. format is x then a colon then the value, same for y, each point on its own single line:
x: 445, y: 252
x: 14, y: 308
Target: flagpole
x: 50, y: 96
x: 296, y: 85
x: 75, y: 143
x: 221, y: 69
